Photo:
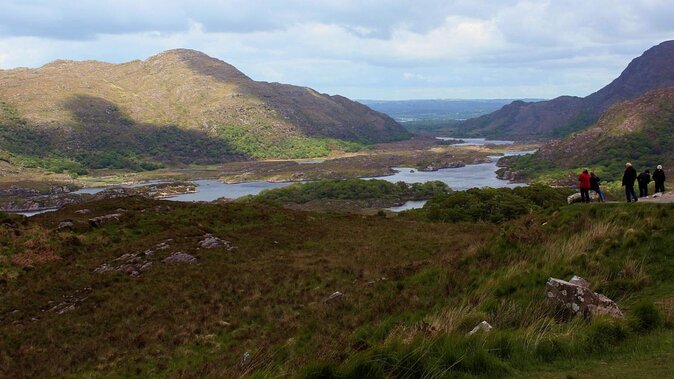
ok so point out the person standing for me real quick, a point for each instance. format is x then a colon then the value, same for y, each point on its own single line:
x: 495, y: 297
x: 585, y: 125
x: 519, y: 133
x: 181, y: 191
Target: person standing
x: 629, y: 176
x: 594, y: 185
x: 659, y: 179
x: 643, y: 179
x: 584, y: 185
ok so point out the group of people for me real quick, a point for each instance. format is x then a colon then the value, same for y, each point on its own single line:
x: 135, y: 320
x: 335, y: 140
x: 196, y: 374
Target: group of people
x: 588, y: 181
x: 643, y: 179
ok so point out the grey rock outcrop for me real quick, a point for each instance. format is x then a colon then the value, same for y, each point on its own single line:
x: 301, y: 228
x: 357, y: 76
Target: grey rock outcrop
x: 580, y: 299
x: 180, y: 257
x: 210, y: 241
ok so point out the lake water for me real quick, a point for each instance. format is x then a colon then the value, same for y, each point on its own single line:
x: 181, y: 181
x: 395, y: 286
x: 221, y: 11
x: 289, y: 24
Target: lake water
x: 459, y: 179
x: 209, y: 190
x: 475, y: 141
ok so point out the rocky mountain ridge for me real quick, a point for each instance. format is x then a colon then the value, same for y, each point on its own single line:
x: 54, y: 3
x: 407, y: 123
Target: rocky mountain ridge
x: 178, y: 106
x: 566, y: 114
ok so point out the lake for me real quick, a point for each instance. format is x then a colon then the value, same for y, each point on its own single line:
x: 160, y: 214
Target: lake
x: 459, y: 179
x: 475, y: 141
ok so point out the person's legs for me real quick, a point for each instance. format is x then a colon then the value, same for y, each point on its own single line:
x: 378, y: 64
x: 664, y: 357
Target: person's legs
x: 628, y: 195
x: 659, y: 187
x: 642, y: 190
x: 632, y: 193
x: 584, y: 195
x: 600, y: 194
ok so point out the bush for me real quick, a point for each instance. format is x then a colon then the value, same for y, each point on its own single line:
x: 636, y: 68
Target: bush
x: 645, y: 317
x: 491, y: 205
x: 604, y: 334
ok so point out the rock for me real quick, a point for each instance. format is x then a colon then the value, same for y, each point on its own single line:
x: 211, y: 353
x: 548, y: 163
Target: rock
x: 245, y: 359
x: 575, y: 198
x: 83, y: 211
x: 65, y: 225
x: 657, y: 194
x: 335, y: 295
x: 212, y: 242
x: 482, y: 326
x: 180, y: 257
x: 577, y: 280
x: 97, y: 222
x: 435, y: 166
x: 578, y: 298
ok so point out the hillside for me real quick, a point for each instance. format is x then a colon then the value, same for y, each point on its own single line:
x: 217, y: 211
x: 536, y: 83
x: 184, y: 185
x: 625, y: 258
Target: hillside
x: 563, y: 115
x: 180, y: 106
x: 639, y: 130
x: 167, y: 289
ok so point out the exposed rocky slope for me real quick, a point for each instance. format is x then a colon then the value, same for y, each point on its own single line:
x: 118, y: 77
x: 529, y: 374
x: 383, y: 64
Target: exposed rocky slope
x: 639, y: 130
x: 563, y: 115
x: 178, y: 106
x: 648, y: 119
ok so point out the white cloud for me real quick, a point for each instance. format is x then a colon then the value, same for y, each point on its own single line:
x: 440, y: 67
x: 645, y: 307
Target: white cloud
x: 387, y: 48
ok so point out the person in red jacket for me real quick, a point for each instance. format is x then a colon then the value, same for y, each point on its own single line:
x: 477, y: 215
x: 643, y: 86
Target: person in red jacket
x: 584, y: 184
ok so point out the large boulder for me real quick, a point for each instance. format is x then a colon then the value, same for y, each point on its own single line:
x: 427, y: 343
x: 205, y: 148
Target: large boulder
x: 575, y: 198
x: 577, y: 296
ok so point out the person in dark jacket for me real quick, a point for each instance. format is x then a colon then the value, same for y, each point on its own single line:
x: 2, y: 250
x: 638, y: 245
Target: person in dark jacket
x: 594, y: 185
x: 629, y: 176
x: 659, y: 179
x: 643, y: 179
x: 584, y: 185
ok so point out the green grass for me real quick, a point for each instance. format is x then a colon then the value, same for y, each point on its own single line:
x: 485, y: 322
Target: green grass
x: 412, y: 290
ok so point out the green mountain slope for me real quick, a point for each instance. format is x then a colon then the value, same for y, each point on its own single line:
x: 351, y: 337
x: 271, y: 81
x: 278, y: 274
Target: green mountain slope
x: 180, y: 106
x: 640, y: 131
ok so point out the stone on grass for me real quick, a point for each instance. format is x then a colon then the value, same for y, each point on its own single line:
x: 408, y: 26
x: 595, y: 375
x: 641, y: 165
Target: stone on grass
x: 210, y: 241
x: 99, y: 221
x: 65, y: 225
x: 483, y: 326
x: 335, y: 295
x: 575, y: 198
x: 180, y: 257
x: 579, y: 299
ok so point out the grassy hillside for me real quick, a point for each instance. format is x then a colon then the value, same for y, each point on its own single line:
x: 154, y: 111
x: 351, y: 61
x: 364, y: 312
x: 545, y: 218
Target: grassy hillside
x: 640, y: 131
x: 264, y: 305
x: 180, y: 106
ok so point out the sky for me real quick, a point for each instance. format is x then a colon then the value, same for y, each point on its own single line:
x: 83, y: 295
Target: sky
x: 386, y: 49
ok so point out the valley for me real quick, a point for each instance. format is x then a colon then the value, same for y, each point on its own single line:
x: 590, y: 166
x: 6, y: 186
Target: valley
x: 174, y: 217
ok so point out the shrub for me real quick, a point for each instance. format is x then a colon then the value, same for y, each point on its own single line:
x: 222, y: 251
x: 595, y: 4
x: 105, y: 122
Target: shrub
x: 645, y: 317
x: 604, y: 334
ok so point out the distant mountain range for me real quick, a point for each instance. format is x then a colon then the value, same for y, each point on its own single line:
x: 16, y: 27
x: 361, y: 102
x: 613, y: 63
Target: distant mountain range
x: 566, y: 114
x: 436, y: 109
x: 180, y: 106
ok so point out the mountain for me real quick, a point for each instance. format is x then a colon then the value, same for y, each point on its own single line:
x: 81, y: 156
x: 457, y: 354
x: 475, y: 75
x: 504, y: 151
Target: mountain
x: 563, y: 115
x: 640, y: 130
x: 178, y: 106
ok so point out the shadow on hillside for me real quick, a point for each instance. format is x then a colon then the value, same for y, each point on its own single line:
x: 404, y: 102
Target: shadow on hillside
x: 103, y: 132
